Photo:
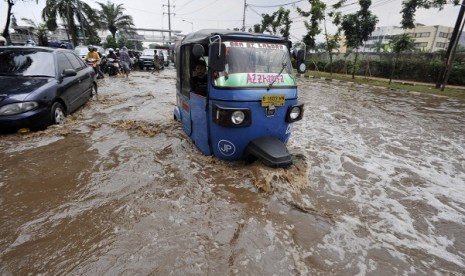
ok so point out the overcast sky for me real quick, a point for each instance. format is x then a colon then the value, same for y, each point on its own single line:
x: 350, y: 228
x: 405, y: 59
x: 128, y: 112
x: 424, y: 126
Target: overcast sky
x: 188, y: 15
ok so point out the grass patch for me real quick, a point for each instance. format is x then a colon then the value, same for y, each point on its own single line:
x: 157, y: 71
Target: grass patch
x: 396, y: 84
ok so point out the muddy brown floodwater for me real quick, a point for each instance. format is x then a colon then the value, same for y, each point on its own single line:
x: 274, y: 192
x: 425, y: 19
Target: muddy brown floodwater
x: 377, y: 189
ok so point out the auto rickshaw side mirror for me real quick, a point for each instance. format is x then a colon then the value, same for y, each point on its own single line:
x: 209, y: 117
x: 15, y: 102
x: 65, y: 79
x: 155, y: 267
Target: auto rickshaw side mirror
x: 217, y: 56
x: 197, y: 51
x: 301, y: 67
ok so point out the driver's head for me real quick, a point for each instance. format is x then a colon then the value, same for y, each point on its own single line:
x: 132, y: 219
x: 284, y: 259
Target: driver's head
x: 200, y: 67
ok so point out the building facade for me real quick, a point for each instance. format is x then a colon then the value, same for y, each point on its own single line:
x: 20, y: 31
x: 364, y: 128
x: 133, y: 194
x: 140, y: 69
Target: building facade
x: 427, y: 38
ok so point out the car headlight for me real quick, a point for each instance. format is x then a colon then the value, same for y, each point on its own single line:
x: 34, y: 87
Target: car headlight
x: 295, y: 113
x: 231, y: 116
x: 237, y: 117
x: 16, y: 108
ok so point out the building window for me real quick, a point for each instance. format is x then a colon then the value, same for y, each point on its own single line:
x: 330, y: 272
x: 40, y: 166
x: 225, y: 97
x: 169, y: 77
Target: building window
x: 443, y: 34
x: 441, y: 44
x: 425, y: 34
x: 421, y: 44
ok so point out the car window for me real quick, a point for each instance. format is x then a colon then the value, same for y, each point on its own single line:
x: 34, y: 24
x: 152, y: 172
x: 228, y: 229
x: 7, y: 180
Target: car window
x: 26, y: 62
x: 63, y: 63
x: 76, y: 61
x: 148, y: 52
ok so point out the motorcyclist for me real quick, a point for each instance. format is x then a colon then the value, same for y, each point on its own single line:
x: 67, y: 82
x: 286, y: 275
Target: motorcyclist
x: 111, y: 54
x: 94, y: 57
x: 112, y: 70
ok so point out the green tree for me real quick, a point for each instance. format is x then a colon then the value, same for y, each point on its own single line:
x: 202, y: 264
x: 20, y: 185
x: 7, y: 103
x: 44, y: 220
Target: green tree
x: 113, y: 19
x: 316, y: 14
x: 6, y: 32
x: 378, y: 46
x: 257, y: 28
x: 93, y: 37
x: 278, y: 23
x: 401, y: 43
x: 409, y: 7
x: 110, y: 42
x: 75, y: 15
x: 123, y: 41
x: 358, y: 27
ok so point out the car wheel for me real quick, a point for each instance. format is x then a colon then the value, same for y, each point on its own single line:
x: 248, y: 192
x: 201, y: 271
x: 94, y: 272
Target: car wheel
x: 58, y: 114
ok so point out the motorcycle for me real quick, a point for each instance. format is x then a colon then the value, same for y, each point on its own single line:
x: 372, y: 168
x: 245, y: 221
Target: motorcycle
x: 91, y: 62
x: 104, y: 65
x: 113, y: 66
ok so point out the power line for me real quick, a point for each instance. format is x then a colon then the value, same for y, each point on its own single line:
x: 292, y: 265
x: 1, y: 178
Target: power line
x: 208, y: 5
x: 273, y: 6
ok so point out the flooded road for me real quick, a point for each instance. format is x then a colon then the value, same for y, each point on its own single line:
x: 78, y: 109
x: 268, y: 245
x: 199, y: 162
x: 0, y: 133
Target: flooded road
x: 377, y: 189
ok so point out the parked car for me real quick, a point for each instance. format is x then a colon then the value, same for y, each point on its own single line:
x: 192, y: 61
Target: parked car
x: 41, y: 86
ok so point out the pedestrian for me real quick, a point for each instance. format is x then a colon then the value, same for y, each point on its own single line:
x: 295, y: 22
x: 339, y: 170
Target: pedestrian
x: 156, y: 62
x: 125, y: 60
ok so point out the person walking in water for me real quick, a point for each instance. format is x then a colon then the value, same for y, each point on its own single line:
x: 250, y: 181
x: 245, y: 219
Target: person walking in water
x: 156, y: 63
x: 125, y: 61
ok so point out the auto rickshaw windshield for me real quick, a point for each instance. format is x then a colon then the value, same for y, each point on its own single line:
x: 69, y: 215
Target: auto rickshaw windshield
x: 255, y: 64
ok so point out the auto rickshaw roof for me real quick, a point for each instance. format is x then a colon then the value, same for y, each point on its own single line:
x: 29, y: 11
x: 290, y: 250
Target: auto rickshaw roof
x: 203, y: 36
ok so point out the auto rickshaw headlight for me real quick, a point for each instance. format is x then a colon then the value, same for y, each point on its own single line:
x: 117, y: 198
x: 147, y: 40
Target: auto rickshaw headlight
x: 231, y: 116
x: 295, y: 113
x: 237, y: 117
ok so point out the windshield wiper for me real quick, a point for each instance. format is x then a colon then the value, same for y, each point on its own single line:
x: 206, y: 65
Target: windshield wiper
x: 280, y: 72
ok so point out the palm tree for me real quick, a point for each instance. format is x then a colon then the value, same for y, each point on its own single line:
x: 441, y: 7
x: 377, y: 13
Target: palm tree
x: 112, y: 18
x: 73, y: 13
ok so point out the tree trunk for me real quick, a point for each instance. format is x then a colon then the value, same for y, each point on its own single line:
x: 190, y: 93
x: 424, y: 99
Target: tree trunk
x: 6, y: 32
x: 330, y: 63
x: 71, y: 26
x: 393, y: 68
x: 355, y: 64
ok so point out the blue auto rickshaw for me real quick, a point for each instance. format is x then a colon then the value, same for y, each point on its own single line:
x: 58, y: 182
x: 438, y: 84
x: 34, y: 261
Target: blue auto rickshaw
x: 246, y: 108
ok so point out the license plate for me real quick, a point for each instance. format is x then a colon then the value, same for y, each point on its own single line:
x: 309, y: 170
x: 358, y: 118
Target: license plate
x: 276, y: 100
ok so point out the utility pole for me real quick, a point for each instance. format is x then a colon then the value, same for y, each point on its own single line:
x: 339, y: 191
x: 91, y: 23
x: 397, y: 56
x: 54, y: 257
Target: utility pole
x: 169, y: 19
x: 452, y: 57
x: 243, y: 16
x: 451, y: 48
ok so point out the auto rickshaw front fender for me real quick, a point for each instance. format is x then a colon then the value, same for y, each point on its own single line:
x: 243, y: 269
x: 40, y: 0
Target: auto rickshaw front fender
x: 270, y: 150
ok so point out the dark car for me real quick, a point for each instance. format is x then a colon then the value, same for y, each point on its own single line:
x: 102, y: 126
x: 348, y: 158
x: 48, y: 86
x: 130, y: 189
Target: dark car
x: 146, y: 59
x: 40, y: 86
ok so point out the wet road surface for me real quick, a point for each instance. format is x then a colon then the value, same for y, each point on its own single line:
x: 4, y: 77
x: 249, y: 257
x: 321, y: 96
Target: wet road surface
x: 377, y: 189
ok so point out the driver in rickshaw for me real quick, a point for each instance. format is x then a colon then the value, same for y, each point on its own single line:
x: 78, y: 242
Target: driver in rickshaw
x: 200, y: 80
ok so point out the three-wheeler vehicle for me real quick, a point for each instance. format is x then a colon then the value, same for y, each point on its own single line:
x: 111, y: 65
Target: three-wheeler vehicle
x: 246, y: 107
